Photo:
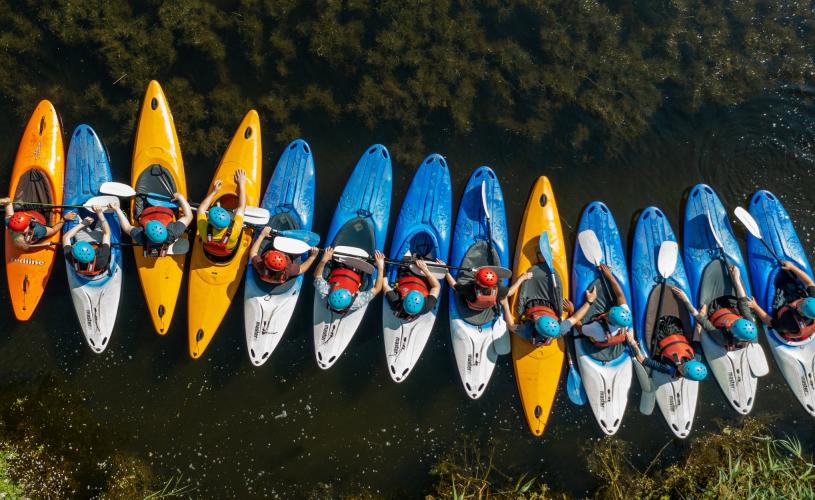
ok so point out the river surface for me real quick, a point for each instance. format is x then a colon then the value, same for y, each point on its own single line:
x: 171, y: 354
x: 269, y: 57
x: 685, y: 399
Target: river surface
x: 234, y: 430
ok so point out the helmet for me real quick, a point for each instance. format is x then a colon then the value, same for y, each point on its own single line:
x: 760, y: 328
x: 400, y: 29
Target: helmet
x: 19, y: 222
x: 340, y: 299
x: 744, y: 330
x: 83, y: 252
x: 486, y: 277
x: 275, y: 260
x: 807, y: 307
x: 547, y: 326
x: 156, y: 232
x: 619, y: 316
x: 413, y: 302
x: 695, y: 370
x: 218, y: 217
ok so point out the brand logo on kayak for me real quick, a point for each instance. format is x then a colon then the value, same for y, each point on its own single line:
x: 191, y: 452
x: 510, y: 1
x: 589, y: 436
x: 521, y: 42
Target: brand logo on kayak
x: 29, y: 262
x: 469, y: 362
x: 396, y: 346
x: 88, y: 318
x: 603, y: 399
x: 805, y: 385
x: 257, y: 330
x: 731, y: 379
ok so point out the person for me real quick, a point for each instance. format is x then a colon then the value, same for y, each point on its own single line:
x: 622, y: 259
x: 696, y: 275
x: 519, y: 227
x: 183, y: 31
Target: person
x: 28, y: 228
x: 607, y: 328
x: 794, y: 309
x: 673, y: 354
x: 539, y: 314
x: 156, y: 228
x: 273, y: 266
x: 480, y: 293
x: 728, y: 318
x: 342, y: 288
x: 218, y: 229
x: 414, y: 295
x: 89, y: 258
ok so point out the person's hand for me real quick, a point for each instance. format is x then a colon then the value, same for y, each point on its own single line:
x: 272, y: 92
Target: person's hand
x: 114, y: 205
x: 327, y: 254
x: 512, y: 328
x: 313, y: 252
x: 439, y: 261
x: 87, y: 221
x: 69, y: 216
x: 629, y: 336
x: 97, y: 209
x: 5, y: 201
x: 751, y: 303
x: 734, y: 272
x: 216, y: 186
x: 526, y: 276
x: 605, y: 270
x: 591, y: 294
x: 240, y: 177
x: 786, y: 265
x: 266, y: 231
x: 178, y: 196
x: 379, y: 257
x: 568, y: 306
x: 679, y: 293
x: 422, y: 265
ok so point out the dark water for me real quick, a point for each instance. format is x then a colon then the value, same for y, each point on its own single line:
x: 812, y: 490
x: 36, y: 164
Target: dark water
x: 233, y: 430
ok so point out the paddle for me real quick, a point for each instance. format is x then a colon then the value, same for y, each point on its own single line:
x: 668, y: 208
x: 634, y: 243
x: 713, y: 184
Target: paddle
x: 590, y: 246
x: 290, y: 245
x: 117, y: 189
x: 751, y: 225
x: 313, y: 239
x: 102, y: 201
x: 500, y: 340
x: 757, y: 360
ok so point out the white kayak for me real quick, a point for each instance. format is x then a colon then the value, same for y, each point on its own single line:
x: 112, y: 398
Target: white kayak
x: 474, y: 348
x: 732, y: 372
x: 797, y: 363
x: 607, y: 384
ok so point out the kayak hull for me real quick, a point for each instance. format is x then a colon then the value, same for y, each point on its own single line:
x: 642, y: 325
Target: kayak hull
x: 538, y: 368
x: 474, y: 346
x: 214, y: 283
x: 95, y: 299
x: 606, y: 382
x: 41, y: 150
x: 795, y: 359
x: 424, y: 221
x: 291, y: 192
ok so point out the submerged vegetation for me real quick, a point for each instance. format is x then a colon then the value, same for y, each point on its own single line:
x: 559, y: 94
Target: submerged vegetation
x: 575, y: 76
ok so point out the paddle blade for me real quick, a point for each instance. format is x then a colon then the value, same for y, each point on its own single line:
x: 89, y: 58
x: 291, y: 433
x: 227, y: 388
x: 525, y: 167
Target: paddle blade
x: 590, y: 246
x: 358, y: 264
x: 501, y: 341
x: 160, y: 201
x: 351, y: 252
x: 256, y: 216
x: 117, y: 189
x: 545, y: 248
x: 647, y: 402
x: 667, y: 258
x: 748, y: 221
x: 574, y: 387
x: 101, y: 201
x: 290, y: 245
x: 643, y: 377
x: 313, y: 239
x: 757, y: 360
x: 439, y: 273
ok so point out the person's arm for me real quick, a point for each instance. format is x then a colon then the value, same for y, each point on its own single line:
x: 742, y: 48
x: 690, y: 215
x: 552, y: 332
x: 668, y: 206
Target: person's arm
x: 306, y: 264
x: 240, y: 180
x: 207, y: 201
x: 255, y: 248
x: 577, y: 317
x: 518, y: 282
x: 511, y: 326
x: 51, y: 231
x: 124, y: 222
x: 327, y: 254
x: 379, y: 257
x: 681, y: 295
x: 186, y: 210
x: 8, y: 207
x: 759, y: 311
x: 795, y: 270
x: 435, y: 286
x: 735, y: 274
x: 634, y: 345
x: 451, y: 281
x: 103, y: 221
x: 66, y: 238
x: 615, y: 287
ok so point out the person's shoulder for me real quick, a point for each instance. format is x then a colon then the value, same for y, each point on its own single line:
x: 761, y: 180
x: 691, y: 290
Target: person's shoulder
x: 811, y: 291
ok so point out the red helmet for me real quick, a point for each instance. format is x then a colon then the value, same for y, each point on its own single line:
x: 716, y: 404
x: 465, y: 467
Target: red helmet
x: 19, y: 222
x: 486, y: 277
x: 274, y: 260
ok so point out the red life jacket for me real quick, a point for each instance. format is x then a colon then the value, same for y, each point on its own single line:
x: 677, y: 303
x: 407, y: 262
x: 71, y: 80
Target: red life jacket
x: 342, y: 277
x: 483, y: 302
x: 675, y: 348
x: 161, y: 214
x: 411, y: 283
x: 218, y: 247
x: 724, y: 318
x: 806, y: 327
x: 535, y: 312
x: 617, y: 338
x: 268, y: 276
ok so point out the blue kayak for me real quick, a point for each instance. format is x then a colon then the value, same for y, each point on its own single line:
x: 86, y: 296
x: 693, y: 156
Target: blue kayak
x: 652, y: 300
x: 794, y: 358
x: 607, y: 380
x: 478, y: 338
x: 422, y: 229
x: 95, y: 298
x: 706, y: 220
x: 360, y: 222
x: 289, y: 198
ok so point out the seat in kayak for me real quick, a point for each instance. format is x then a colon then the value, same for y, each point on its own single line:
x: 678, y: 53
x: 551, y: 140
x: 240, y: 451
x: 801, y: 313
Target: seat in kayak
x: 152, y: 180
x: 667, y: 305
x: 357, y: 233
x: 33, y: 187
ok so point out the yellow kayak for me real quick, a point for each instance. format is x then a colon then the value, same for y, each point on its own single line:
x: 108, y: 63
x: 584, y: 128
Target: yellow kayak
x: 213, y: 283
x: 537, y: 369
x: 157, y: 160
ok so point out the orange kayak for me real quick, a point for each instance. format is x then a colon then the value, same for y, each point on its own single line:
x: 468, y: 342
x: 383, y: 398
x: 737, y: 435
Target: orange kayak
x: 213, y: 283
x: 37, y: 177
x: 157, y: 160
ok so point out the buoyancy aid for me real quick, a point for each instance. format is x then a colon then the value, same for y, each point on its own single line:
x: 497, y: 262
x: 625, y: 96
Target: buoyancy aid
x: 531, y: 313
x: 806, y: 327
x: 165, y: 216
x: 343, y: 277
x: 724, y: 318
x: 483, y: 301
x: 218, y: 247
x: 611, y: 339
x: 269, y: 276
x: 411, y: 283
x: 675, y: 348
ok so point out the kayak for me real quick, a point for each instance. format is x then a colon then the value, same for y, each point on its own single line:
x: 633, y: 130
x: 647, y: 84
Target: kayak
x: 606, y: 381
x: 361, y: 221
x: 215, y: 280
x: 795, y: 359
x: 95, y: 298
x: 538, y: 368
x: 423, y: 228
x: 289, y: 197
x: 157, y: 161
x: 37, y: 177
x: 653, y: 299
x: 703, y: 211
x: 475, y: 333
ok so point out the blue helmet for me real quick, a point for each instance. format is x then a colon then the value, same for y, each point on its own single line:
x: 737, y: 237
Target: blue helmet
x: 695, y: 370
x: 807, y: 307
x: 547, y: 326
x: 156, y: 232
x: 340, y: 299
x: 83, y: 252
x: 218, y: 217
x: 744, y: 330
x: 413, y: 302
x: 619, y: 316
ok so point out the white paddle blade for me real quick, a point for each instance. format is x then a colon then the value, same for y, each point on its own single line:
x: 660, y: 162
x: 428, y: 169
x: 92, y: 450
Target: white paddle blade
x: 101, y: 201
x: 590, y: 246
x: 256, y: 216
x: 747, y: 221
x: 484, y: 199
x: 757, y: 360
x: 117, y: 189
x: 667, y: 258
x: 290, y: 245
x: 352, y: 251
x: 358, y: 264
x: 714, y: 233
x: 435, y: 271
